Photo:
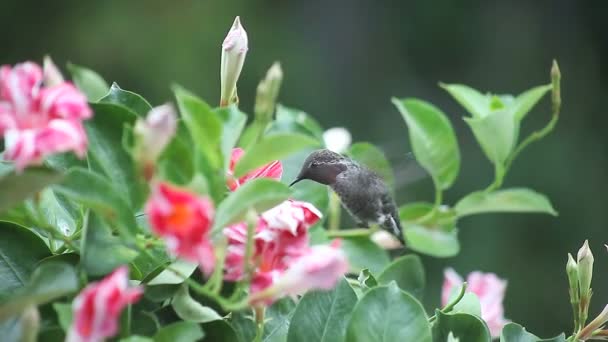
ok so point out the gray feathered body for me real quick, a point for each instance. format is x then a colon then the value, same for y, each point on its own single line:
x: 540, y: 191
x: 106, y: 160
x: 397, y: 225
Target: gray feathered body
x: 366, y: 197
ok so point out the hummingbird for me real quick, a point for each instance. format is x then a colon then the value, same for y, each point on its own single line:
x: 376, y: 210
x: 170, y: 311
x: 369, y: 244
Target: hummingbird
x: 362, y: 192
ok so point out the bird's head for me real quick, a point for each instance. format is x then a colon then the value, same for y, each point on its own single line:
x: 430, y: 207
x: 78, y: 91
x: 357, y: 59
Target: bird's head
x: 322, y: 166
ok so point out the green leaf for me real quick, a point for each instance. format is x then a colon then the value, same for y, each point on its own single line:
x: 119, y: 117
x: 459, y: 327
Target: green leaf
x: 387, y: 314
x: 88, y: 81
x: 105, y: 132
x: 322, y: 316
x: 477, y: 104
x: 289, y: 120
x: 372, y: 157
x: 204, y: 124
x: 190, y: 310
x: 101, y: 252
x: 366, y: 280
x: 496, y: 133
x: 97, y: 193
x: 408, y: 272
x: 469, y: 303
x: 433, y: 140
x: 220, y: 331
x: 259, y: 194
x: 463, y: 326
x: 509, y: 200
x: 180, y: 331
x: 18, y: 187
x: 364, y: 253
x: 20, y: 252
x: 176, y: 163
x: 58, y: 213
x: 513, y: 332
x: 135, y: 102
x: 48, y: 282
x: 233, y: 124
x: 433, y: 242
x: 272, y: 147
x: 528, y: 99
x: 136, y: 338
x: 168, y: 276
x: 278, y: 320
x: 64, y: 314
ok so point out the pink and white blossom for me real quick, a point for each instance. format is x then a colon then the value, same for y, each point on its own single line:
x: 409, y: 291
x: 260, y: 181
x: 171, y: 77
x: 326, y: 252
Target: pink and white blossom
x: 490, y: 290
x: 273, y: 170
x: 97, y: 308
x: 184, y: 220
x: 38, y: 119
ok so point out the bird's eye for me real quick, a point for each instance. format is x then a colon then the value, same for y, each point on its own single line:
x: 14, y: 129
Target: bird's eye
x: 314, y: 164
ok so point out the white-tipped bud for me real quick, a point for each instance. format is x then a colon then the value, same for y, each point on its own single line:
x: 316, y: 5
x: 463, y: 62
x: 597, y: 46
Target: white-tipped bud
x: 585, y: 269
x: 234, y: 50
x: 337, y: 139
x: 154, y: 133
x: 267, y: 93
x: 52, y: 75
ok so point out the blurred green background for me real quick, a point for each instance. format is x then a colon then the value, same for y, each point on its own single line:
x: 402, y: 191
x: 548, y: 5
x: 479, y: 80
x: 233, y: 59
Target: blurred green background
x: 343, y: 61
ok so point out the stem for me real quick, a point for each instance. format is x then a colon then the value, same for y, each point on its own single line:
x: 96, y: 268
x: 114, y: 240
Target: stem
x: 259, y: 320
x: 215, y: 281
x: 351, y: 232
x: 334, y: 211
x: 456, y: 300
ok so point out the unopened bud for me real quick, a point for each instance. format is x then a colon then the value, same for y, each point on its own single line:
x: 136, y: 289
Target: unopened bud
x: 572, y: 272
x: 234, y: 50
x: 585, y: 269
x: 52, y: 75
x: 587, y: 332
x: 267, y: 93
x: 337, y: 139
x: 153, y: 133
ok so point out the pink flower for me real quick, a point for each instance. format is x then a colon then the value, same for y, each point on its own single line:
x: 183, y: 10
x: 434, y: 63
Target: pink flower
x: 97, y: 308
x: 272, y: 170
x: 489, y: 289
x: 319, y: 269
x: 38, y: 120
x: 281, y: 238
x: 184, y: 221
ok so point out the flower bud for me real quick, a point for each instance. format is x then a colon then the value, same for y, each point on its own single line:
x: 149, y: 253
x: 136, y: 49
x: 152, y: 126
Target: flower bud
x: 234, y: 50
x: 337, y: 139
x: 267, y: 93
x: 585, y: 269
x: 572, y: 272
x: 154, y: 133
x: 51, y: 74
x: 587, y: 332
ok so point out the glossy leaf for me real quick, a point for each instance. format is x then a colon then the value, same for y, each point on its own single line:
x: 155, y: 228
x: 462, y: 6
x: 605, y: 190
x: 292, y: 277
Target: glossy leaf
x: 176, y: 162
x: 169, y: 276
x: 433, y: 140
x: 289, y: 120
x: 16, y: 187
x: 372, y: 157
x: 366, y: 280
x: 523, y: 103
x: 387, y: 314
x: 362, y: 253
x: 190, y: 310
x: 513, y: 332
x: 463, y: 326
x: 102, y: 252
x: 20, y: 252
x: 220, y: 331
x: 408, y: 272
x: 433, y: 242
x: 180, y: 331
x: 272, y: 147
x: 279, y: 317
x: 105, y: 132
x: 205, y: 126
x: 323, y: 315
x: 233, y: 124
x: 477, y: 104
x: 496, y: 133
x: 89, y: 82
x: 98, y: 193
x: 64, y: 314
x: 259, y: 194
x: 469, y: 303
x: 135, y: 102
x: 48, y: 282
x: 509, y: 200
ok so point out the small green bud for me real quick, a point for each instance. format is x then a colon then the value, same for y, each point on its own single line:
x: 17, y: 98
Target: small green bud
x: 572, y: 271
x: 585, y: 269
x: 267, y: 93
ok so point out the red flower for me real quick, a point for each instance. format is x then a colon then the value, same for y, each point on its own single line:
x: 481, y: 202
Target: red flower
x: 37, y: 120
x: 184, y: 221
x: 272, y: 170
x: 97, y: 308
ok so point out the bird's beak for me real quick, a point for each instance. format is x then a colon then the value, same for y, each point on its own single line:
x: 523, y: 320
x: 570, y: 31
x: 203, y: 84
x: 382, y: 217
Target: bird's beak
x: 295, y: 181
